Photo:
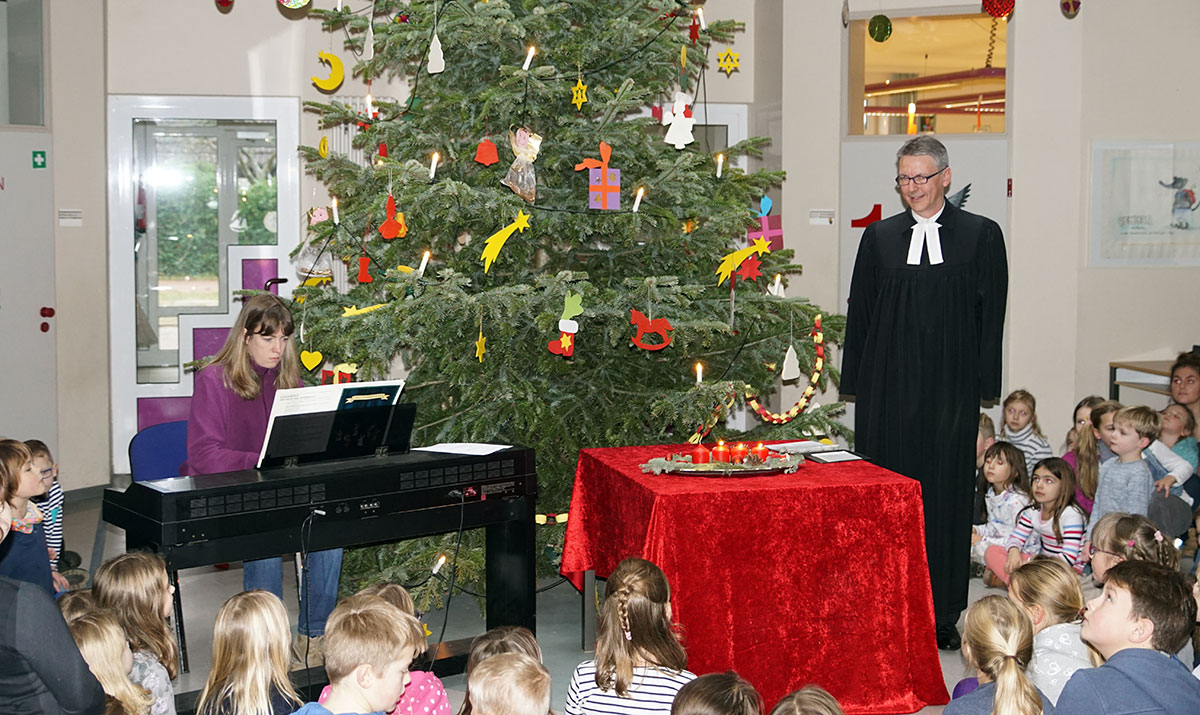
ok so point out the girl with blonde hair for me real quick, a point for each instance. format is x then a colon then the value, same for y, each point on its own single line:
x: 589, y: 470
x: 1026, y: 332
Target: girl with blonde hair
x: 1049, y: 593
x: 106, y: 650
x: 227, y: 423
x: 1121, y: 537
x: 249, y: 674
x: 497, y: 641
x: 134, y: 587
x: 639, y: 664
x: 998, y: 641
x: 809, y: 700
x: 1022, y: 429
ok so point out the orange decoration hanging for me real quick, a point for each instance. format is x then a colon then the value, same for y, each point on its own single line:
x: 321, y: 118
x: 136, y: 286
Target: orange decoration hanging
x: 394, y: 225
x: 364, y: 276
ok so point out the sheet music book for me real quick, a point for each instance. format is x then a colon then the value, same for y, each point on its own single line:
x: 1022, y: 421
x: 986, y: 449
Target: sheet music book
x: 328, y: 405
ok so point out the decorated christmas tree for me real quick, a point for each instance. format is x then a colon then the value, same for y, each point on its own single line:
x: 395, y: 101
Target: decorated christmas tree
x: 574, y: 285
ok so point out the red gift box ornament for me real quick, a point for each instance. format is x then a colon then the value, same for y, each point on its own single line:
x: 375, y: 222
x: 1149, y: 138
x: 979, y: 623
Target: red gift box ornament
x: 604, y: 184
x: 769, y: 227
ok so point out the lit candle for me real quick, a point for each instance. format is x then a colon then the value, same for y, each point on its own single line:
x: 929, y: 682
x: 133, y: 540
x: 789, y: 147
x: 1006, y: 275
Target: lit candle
x: 760, y: 451
x: 433, y: 166
x: 529, y: 58
x: 720, y: 453
x: 703, y: 23
x: 339, y: 7
x: 336, y: 220
x: 700, y: 455
x: 424, y: 262
x: 370, y: 107
x: 776, y: 288
x: 699, y: 373
x: 638, y: 201
x: 739, y: 452
x: 720, y: 164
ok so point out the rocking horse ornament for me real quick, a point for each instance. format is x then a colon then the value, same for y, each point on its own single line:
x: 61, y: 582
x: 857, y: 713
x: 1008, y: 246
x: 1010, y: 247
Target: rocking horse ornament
x: 658, y: 326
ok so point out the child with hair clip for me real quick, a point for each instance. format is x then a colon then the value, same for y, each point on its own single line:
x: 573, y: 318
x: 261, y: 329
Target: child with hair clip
x: 1081, y: 440
x: 809, y: 700
x: 1049, y: 593
x: 106, y: 650
x: 1022, y: 429
x: 510, y: 684
x: 998, y: 642
x: 504, y: 639
x: 249, y: 673
x: 1007, y: 493
x: 134, y: 587
x: 1121, y: 537
x: 639, y: 664
x: 23, y: 555
x: 718, y: 694
x: 425, y: 694
x: 1053, y: 519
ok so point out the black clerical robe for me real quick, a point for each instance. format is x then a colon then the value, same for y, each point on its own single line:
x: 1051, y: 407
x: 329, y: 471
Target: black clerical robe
x: 922, y: 350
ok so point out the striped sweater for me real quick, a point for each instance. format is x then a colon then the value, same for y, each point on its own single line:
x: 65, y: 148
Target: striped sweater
x: 51, y: 504
x: 1032, y: 446
x: 1030, y: 525
x: 652, y: 691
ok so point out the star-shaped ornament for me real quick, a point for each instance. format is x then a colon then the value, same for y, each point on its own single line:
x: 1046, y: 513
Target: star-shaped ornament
x: 579, y: 94
x: 480, y: 346
x: 750, y: 269
x: 728, y: 61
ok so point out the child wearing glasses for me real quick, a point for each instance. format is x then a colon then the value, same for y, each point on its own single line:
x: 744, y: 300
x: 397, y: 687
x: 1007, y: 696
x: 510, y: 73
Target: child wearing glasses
x: 51, y: 505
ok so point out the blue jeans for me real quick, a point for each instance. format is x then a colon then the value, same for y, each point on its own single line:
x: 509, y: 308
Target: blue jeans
x: 324, y: 570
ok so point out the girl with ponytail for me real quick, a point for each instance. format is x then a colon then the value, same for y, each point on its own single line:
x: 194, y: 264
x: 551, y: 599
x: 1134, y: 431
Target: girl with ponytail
x: 640, y: 664
x: 998, y: 641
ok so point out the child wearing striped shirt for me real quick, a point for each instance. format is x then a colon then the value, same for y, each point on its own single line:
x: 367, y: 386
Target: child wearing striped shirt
x: 1054, y: 519
x: 51, y: 505
x: 1021, y: 428
x: 640, y: 664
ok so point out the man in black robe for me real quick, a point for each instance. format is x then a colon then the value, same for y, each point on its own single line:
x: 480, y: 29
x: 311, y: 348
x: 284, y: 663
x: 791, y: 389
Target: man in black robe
x: 922, y: 349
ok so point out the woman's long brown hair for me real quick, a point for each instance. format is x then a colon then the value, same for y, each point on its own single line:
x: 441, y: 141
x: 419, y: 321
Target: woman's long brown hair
x: 262, y: 314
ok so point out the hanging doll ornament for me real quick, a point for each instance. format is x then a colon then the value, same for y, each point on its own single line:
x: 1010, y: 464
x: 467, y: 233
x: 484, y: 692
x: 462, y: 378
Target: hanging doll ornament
x: 604, y: 184
x: 567, y: 328
x: 520, y: 177
x: 393, y: 226
x: 680, y: 132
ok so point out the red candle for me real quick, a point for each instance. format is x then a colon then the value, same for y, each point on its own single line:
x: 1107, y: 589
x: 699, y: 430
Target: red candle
x: 760, y: 451
x: 739, y: 452
x: 720, y: 453
x: 700, y: 455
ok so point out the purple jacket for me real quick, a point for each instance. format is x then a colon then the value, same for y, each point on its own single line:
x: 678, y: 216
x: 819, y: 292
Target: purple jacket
x: 225, y: 433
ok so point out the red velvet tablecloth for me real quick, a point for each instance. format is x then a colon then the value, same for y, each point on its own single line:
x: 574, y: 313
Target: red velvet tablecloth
x: 814, y: 577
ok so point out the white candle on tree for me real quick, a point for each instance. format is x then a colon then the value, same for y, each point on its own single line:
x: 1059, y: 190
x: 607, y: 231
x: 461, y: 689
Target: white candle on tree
x: 529, y: 58
x: 638, y: 201
x: 433, y: 166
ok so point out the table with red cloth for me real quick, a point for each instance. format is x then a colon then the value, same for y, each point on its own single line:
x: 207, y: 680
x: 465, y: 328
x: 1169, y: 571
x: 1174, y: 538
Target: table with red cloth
x: 814, y: 577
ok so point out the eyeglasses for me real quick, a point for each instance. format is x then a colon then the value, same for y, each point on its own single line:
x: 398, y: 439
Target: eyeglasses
x: 47, y: 473
x: 1092, y: 551
x: 919, y: 180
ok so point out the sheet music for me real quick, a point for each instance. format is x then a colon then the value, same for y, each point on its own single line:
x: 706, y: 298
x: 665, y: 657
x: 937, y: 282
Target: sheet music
x: 475, y: 449
x: 327, y: 398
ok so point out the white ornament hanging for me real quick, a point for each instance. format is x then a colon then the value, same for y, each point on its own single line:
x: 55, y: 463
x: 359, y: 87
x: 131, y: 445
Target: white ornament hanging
x: 680, y: 133
x: 437, y: 63
x: 369, y: 44
x: 791, y: 365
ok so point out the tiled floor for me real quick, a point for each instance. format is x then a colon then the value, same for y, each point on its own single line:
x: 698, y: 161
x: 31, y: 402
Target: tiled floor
x: 558, y: 613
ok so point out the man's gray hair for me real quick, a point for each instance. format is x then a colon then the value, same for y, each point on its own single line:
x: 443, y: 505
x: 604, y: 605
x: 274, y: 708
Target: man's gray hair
x: 925, y: 145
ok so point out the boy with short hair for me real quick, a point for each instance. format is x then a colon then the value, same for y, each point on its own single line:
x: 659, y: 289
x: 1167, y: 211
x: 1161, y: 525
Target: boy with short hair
x: 509, y: 684
x: 369, y: 646
x: 51, y: 505
x: 1142, y: 618
x: 1125, y: 482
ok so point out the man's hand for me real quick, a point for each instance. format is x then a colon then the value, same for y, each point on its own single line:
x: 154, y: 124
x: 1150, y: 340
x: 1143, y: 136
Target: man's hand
x: 1164, y: 485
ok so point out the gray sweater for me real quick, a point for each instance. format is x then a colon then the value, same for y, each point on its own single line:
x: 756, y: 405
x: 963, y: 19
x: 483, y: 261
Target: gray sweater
x: 1122, y: 486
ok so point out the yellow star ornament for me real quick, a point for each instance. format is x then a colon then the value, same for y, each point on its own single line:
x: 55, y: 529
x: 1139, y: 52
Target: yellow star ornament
x: 579, y: 94
x: 728, y: 61
x: 480, y: 346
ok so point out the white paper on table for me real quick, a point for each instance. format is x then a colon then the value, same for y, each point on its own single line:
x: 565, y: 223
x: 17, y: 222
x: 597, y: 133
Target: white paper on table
x: 806, y: 446
x: 316, y: 398
x: 840, y: 455
x: 475, y: 449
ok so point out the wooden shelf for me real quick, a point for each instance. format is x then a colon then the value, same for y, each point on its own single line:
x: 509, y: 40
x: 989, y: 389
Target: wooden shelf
x: 1155, y: 368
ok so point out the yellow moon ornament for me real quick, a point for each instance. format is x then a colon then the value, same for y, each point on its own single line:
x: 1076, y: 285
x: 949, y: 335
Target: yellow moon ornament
x: 336, y: 72
x: 323, y: 148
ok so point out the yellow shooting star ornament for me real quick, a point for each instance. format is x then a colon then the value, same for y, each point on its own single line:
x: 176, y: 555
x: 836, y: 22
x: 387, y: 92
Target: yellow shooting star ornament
x: 730, y: 263
x: 496, y: 241
x: 728, y: 61
x: 480, y: 346
x: 579, y: 94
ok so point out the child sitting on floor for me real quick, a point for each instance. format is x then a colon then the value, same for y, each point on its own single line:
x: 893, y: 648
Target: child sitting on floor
x: 103, y: 645
x: 1022, y: 430
x: 51, y: 504
x: 510, y: 684
x: 998, y: 641
x: 249, y: 674
x: 504, y: 639
x: 369, y: 646
x: 1007, y: 493
x: 718, y: 694
x: 809, y: 700
x: 1049, y: 593
x: 984, y: 439
x: 1083, y: 454
x: 639, y: 662
x: 1125, y: 482
x: 1052, y: 525
x: 1144, y: 615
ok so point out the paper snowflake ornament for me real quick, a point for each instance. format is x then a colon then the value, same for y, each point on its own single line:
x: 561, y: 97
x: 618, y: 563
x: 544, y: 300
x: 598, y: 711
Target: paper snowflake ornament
x: 769, y: 227
x: 604, y: 184
x: 728, y: 61
x: 680, y: 133
x: 437, y: 62
x: 579, y: 94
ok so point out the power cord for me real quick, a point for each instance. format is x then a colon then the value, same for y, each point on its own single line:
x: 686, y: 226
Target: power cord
x: 305, y: 540
x: 462, y: 515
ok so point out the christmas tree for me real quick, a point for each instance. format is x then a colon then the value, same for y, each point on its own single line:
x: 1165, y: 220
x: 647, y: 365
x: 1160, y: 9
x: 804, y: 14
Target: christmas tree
x: 539, y: 320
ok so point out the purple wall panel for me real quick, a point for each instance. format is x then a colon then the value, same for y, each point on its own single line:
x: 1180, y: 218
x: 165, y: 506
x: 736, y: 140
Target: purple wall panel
x: 157, y: 410
x: 257, y: 271
x: 207, y: 342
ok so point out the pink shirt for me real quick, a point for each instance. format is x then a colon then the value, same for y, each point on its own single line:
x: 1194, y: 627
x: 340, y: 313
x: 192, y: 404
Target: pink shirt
x: 425, y: 695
